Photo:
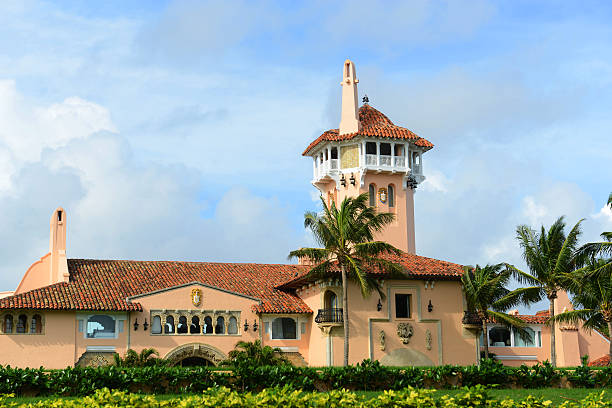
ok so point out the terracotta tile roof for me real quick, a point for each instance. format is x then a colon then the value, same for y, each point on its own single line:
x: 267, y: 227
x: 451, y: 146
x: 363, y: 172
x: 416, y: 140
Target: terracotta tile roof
x: 600, y: 362
x: 415, y: 267
x: 539, y: 318
x: 375, y: 124
x: 106, y: 284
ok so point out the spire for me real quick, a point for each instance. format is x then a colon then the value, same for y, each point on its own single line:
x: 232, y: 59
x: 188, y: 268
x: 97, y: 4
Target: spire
x: 349, y: 121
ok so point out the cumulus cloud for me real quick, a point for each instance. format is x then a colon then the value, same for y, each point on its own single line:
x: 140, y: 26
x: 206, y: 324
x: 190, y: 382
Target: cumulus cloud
x: 118, y: 206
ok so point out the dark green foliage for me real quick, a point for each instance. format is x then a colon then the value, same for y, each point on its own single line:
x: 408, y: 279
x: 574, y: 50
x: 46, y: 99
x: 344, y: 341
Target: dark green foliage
x: 369, y: 375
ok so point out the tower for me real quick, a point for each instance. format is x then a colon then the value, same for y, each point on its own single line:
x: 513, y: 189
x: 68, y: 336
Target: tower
x: 58, y: 271
x: 368, y: 153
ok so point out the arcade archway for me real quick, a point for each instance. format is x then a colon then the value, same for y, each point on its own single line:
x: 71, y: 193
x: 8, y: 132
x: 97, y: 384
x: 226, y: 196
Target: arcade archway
x: 195, y: 354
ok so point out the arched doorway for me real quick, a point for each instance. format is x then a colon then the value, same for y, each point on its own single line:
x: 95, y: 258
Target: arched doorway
x: 330, y: 300
x: 195, y: 354
x: 194, y: 362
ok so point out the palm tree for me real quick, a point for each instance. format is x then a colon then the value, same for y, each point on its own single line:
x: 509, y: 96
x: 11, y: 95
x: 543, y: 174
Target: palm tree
x: 346, y: 236
x: 146, y: 357
x: 486, y: 294
x: 592, y: 301
x: 254, y: 354
x: 550, y: 256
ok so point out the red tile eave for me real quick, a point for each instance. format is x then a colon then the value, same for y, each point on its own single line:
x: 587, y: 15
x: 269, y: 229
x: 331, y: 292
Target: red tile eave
x: 106, y: 284
x: 373, y: 124
x: 416, y: 268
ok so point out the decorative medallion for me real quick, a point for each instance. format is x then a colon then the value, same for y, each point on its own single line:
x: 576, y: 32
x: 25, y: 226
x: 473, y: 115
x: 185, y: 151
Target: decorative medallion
x: 381, y: 337
x: 405, y: 331
x: 382, y: 195
x: 196, y: 297
x: 428, y: 339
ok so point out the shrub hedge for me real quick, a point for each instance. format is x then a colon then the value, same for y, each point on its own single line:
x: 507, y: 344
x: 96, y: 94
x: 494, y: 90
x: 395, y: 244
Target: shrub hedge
x: 287, y: 398
x: 367, y: 376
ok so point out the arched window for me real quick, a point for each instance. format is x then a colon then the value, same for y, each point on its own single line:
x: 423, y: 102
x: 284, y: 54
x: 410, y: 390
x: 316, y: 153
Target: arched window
x: 220, y: 326
x: 22, y: 323
x: 156, y: 327
x: 8, y: 324
x: 195, y: 325
x: 284, y: 328
x: 232, y: 326
x: 208, y: 325
x: 372, y: 194
x: 100, y: 327
x: 169, y: 326
x: 36, y: 324
x: 499, y: 337
x: 391, y: 192
x: 182, y: 327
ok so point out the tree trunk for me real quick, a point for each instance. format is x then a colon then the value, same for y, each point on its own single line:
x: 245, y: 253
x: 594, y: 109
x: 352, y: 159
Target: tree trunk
x: 553, y: 349
x: 610, y: 347
x: 485, y: 338
x: 345, y: 315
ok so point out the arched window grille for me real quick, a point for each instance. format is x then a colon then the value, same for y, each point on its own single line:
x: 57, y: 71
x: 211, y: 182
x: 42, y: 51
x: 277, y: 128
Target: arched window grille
x: 8, y: 324
x: 156, y: 327
x: 36, y: 324
x: 169, y: 326
x: 195, y: 325
x: 232, y: 326
x: 22, y: 323
x: 372, y: 194
x: 208, y: 325
x: 220, y: 326
x: 391, y: 193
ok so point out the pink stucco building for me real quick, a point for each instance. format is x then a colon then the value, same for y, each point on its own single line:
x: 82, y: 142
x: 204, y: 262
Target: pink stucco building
x: 68, y: 312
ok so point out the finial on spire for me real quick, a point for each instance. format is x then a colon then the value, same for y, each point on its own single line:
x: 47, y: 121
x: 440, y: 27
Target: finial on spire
x: 365, y: 99
x: 349, y: 121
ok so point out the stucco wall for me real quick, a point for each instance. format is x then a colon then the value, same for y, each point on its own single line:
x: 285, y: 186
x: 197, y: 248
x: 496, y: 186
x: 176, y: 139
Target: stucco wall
x: 37, y: 275
x: 180, y: 299
x: 54, y: 348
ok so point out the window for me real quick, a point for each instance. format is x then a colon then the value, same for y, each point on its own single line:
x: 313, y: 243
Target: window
x: 156, y: 327
x: 372, y: 193
x: 519, y: 342
x: 208, y: 326
x: 232, y: 326
x: 370, y: 148
x: 195, y: 325
x: 220, y: 326
x: 385, y: 149
x: 334, y: 153
x: 330, y: 300
x: 8, y: 324
x: 284, y: 328
x: 22, y: 324
x: 182, y: 328
x: 36, y: 324
x: 169, y: 326
x: 402, y: 305
x: 499, y: 337
x: 391, y: 192
x: 100, y: 327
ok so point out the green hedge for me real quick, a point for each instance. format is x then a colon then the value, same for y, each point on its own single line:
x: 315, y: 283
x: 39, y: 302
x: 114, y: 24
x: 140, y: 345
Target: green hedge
x: 367, y: 376
x: 287, y: 398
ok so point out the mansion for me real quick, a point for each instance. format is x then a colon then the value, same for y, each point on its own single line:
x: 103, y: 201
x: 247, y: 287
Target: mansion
x: 68, y: 312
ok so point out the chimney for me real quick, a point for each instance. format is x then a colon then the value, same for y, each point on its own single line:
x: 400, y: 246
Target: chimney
x: 57, y: 247
x: 349, y: 121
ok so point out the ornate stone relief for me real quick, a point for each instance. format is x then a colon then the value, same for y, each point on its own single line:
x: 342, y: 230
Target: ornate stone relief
x: 428, y: 339
x: 405, y: 331
x: 381, y: 336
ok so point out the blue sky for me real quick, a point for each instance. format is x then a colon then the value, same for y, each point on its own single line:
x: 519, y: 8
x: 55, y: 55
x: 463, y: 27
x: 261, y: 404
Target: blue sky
x: 174, y: 129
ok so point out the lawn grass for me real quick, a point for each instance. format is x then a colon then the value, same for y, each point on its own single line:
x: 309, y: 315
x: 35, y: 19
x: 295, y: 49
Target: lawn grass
x: 556, y: 395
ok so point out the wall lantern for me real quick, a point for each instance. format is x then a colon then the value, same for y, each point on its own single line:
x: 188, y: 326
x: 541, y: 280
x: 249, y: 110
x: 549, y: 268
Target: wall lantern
x: 136, y: 325
x: 379, y: 305
x: 352, y: 179
x: 246, y: 325
x: 343, y: 181
x: 145, y: 326
x: 430, y: 307
x: 255, y: 326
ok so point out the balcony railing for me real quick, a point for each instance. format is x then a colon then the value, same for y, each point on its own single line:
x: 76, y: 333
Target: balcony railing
x: 329, y: 316
x: 371, y: 160
x: 399, y: 161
